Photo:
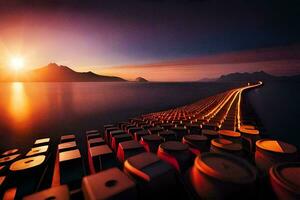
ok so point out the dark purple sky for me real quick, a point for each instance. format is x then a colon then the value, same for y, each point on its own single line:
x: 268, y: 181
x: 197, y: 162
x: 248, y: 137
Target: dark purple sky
x: 92, y: 35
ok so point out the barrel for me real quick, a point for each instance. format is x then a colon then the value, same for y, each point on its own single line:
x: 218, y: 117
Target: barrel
x: 210, y: 134
x: 27, y: 173
x: 220, y: 145
x: 152, y: 175
x: 222, y: 176
x: 270, y: 152
x: 285, y: 180
x: 249, y: 137
x: 151, y: 142
x: 230, y: 135
x: 197, y: 143
x: 176, y: 154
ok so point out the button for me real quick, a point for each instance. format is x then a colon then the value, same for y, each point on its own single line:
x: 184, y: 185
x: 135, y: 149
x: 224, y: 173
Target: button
x: 108, y: 184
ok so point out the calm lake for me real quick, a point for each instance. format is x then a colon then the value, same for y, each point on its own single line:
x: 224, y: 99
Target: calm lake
x: 31, y: 110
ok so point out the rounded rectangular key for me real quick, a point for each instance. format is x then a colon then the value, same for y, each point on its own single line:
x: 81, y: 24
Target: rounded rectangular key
x: 108, y: 184
x: 38, y: 150
x: 132, y: 130
x: 42, y: 141
x: 102, y: 157
x: 106, y: 126
x: 58, y: 193
x: 96, y: 142
x: 67, y: 138
x: 107, y: 133
x: 115, y: 140
x: 92, y: 136
x: 66, y: 146
x: 114, y: 133
x: 70, y: 167
x: 129, y: 148
x: 139, y: 134
x: 90, y: 132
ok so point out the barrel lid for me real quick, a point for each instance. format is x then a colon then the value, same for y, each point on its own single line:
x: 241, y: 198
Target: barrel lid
x: 9, y: 158
x: 251, y: 127
x: 225, y: 167
x: 172, y: 146
x: 275, y: 146
x: 229, y: 133
x: 209, y: 132
x: 152, y: 137
x: 249, y: 131
x: 226, y: 144
x: 287, y: 175
x: 27, y: 163
x: 195, y: 137
x: 11, y: 151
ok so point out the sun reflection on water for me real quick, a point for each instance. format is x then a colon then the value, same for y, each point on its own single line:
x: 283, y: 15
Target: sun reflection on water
x: 19, y: 105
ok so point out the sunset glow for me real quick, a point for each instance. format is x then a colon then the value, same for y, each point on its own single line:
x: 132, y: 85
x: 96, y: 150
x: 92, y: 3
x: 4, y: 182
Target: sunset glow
x: 17, y: 63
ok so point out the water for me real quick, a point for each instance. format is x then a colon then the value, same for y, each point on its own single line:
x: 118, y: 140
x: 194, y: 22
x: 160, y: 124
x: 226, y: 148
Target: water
x: 278, y: 107
x: 32, y: 110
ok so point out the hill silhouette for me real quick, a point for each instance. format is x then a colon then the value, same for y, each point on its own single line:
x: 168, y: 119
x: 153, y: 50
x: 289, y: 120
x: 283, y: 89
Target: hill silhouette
x: 59, y: 73
x: 141, y: 79
x: 254, y: 77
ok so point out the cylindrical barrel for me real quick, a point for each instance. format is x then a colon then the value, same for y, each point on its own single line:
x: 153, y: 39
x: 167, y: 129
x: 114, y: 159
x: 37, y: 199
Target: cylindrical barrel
x: 26, y: 174
x: 151, y: 142
x: 270, y: 152
x: 222, y: 176
x: 197, y: 143
x: 210, y: 134
x: 220, y: 145
x: 249, y: 138
x: 176, y: 154
x: 285, y: 180
x: 230, y: 135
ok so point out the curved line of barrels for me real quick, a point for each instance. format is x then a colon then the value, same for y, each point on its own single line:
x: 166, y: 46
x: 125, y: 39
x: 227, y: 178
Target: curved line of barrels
x: 182, y: 153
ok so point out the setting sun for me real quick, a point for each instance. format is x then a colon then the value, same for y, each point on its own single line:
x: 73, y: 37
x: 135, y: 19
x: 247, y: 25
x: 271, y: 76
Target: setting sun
x: 17, y: 63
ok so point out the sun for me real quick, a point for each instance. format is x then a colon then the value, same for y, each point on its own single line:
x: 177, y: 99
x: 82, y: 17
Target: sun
x: 17, y: 63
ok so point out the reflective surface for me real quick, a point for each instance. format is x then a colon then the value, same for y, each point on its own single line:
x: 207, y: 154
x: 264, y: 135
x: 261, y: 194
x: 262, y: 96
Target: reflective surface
x: 277, y: 104
x: 32, y: 110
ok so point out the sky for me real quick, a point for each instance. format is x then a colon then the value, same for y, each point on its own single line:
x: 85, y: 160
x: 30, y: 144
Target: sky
x: 128, y: 39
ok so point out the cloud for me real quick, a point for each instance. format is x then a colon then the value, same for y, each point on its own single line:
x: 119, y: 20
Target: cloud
x: 277, y: 61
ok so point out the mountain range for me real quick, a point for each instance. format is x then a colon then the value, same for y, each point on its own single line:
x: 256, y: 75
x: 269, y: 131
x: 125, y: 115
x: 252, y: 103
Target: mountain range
x: 254, y: 77
x: 58, y: 73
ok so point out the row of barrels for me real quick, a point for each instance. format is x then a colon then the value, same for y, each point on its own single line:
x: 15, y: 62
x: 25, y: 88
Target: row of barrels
x: 148, y: 158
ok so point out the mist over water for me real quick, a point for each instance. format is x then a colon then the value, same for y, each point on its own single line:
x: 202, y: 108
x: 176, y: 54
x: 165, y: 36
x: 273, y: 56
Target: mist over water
x: 32, y: 110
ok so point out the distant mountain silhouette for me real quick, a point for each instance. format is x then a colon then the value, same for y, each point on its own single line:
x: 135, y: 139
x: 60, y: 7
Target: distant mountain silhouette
x: 207, y: 80
x: 255, y: 76
x: 59, y: 73
x: 141, y: 79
